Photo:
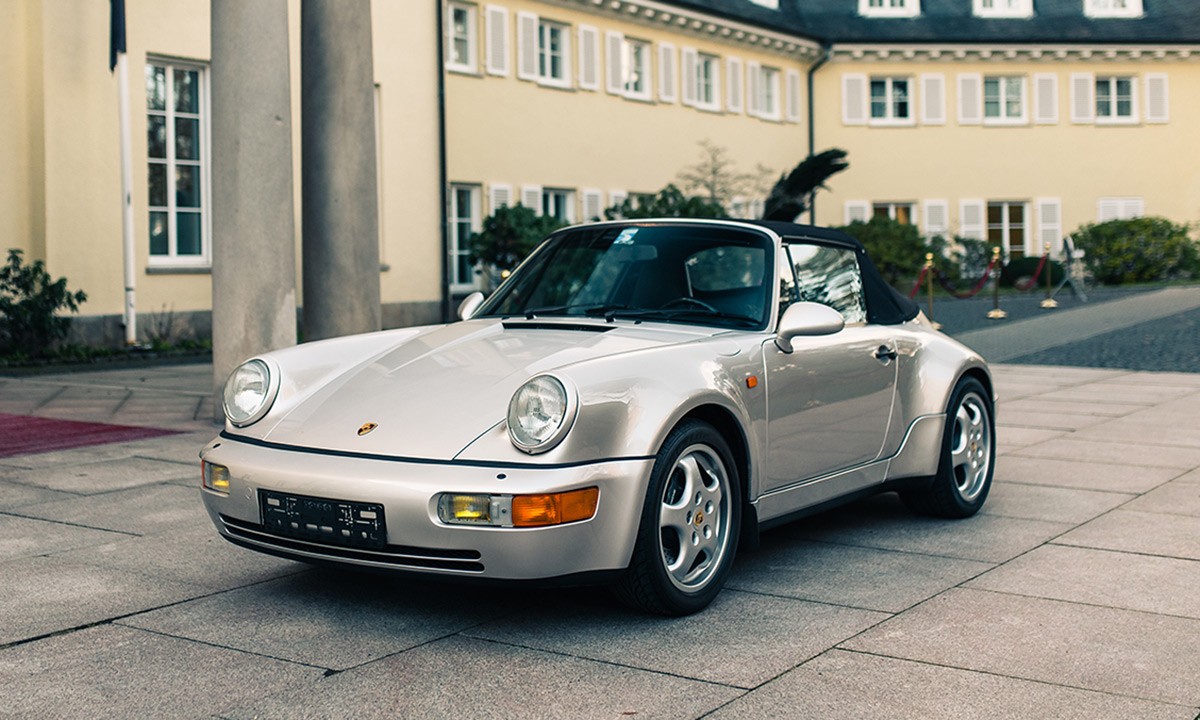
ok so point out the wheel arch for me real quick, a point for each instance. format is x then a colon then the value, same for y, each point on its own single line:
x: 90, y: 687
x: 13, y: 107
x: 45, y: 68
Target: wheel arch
x: 725, y: 423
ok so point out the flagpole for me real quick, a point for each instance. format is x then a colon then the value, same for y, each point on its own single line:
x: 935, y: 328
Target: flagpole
x: 130, y: 310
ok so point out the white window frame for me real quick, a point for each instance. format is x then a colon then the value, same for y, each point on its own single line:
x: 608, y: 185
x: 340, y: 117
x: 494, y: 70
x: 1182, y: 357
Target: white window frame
x: 1113, y: 118
x: 1002, y: 84
x: 551, y: 195
x: 545, y: 28
x: 768, y: 104
x: 889, y: 8
x: 459, y: 246
x: 891, y: 206
x: 204, y: 163
x: 890, y: 119
x: 1112, y: 8
x: 1003, y: 8
x: 629, y: 53
x: 713, y: 64
x: 1006, y: 226
x: 471, y: 67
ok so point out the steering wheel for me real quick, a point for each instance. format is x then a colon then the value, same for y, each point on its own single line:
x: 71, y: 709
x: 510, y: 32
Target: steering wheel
x: 685, y: 300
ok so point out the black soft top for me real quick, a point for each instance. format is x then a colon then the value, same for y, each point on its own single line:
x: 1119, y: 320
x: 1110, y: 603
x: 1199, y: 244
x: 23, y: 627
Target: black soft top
x: 885, y: 306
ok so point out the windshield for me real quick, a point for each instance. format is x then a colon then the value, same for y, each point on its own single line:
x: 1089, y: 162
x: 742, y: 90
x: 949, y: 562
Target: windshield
x: 694, y: 274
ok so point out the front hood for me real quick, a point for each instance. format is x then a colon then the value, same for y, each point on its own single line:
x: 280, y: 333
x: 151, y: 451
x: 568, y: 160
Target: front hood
x: 433, y: 395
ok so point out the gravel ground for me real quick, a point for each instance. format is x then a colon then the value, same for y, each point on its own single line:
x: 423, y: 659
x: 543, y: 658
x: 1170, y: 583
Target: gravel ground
x: 1169, y: 344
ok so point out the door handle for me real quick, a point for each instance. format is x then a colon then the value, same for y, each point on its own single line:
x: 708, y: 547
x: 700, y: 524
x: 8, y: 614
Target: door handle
x: 885, y: 353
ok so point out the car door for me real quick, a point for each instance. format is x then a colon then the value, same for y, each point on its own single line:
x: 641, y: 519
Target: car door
x: 830, y: 399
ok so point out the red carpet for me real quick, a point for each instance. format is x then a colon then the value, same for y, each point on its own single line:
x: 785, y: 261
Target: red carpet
x: 21, y: 435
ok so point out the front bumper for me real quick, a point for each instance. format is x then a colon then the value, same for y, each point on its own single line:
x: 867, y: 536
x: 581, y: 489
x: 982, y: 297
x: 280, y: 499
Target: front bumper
x: 417, y: 540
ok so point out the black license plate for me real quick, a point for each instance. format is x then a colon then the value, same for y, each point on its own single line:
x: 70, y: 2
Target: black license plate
x: 332, y: 522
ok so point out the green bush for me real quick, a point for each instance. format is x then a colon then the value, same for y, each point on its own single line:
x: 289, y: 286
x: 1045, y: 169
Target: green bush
x: 961, y: 260
x: 896, y: 248
x: 29, y: 303
x: 509, y: 235
x: 1139, y: 250
x: 669, y: 202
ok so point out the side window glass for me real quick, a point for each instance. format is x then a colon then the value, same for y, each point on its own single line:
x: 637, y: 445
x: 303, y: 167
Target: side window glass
x: 830, y: 276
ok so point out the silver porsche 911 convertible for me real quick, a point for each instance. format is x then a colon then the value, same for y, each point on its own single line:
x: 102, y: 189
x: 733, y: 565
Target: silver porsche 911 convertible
x: 633, y: 402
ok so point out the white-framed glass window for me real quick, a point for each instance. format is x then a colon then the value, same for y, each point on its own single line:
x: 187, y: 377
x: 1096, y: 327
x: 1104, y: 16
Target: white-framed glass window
x: 637, y: 69
x: 1116, y: 99
x: 1112, y: 8
x: 553, y: 46
x: 901, y: 212
x: 767, y: 104
x: 1004, y: 8
x: 891, y: 101
x: 708, y: 81
x: 558, y: 203
x: 1004, y: 99
x: 178, y: 159
x: 466, y: 210
x: 1008, y: 226
x: 889, y: 8
x: 462, y: 53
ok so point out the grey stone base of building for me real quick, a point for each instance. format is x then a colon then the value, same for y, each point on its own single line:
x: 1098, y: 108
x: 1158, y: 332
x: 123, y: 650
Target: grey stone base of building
x: 173, y: 327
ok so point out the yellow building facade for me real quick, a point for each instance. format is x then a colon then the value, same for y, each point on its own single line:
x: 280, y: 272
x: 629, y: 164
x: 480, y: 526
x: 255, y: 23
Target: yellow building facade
x: 571, y: 106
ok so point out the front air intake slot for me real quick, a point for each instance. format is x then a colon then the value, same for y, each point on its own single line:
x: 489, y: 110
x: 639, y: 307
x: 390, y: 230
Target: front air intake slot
x: 577, y: 327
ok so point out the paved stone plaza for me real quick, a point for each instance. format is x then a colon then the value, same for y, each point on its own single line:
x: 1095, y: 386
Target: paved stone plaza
x: 1073, y: 595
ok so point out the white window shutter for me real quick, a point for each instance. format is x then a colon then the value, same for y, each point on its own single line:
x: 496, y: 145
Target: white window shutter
x: 1132, y: 208
x: 1045, y: 98
x: 854, y: 99
x: 754, y: 75
x: 1108, y: 209
x: 614, y: 62
x: 499, y: 195
x: 593, y: 201
x: 531, y: 197
x: 616, y: 197
x: 857, y: 211
x: 589, y: 58
x: 527, y: 46
x: 687, y: 63
x: 1083, y: 104
x: 496, y: 28
x: 971, y: 218
x: 970, y: 99
x: 937, y: 218
x: 933, y: 99
x: 734, y: 81
x: 793, y: 96
x: 666, y: 73
x: 1158, y: 98
x: 1050, y: 223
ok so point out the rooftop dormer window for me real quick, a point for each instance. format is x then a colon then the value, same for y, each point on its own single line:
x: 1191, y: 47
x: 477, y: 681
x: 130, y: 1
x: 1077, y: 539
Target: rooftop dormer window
x: 1003, y: 8
x: 1112, y: 8
x: 889, y: 8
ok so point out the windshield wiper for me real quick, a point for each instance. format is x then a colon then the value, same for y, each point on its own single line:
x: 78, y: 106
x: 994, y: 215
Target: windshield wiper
x: 672, y: 313
x: 590, y: 309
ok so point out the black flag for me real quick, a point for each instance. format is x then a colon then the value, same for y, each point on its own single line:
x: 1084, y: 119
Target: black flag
x: 116, y: 32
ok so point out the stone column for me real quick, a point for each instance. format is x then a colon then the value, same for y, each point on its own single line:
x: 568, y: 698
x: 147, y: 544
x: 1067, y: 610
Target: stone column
x: 340, y: 213
x: 254, y: 233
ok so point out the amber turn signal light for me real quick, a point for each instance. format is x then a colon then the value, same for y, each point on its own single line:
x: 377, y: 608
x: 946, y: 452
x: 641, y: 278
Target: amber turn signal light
x: 554, y: 509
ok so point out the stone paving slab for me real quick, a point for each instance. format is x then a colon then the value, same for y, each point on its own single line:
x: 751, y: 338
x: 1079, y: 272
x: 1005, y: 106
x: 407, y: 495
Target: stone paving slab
x: 1053, y: 504
x: 742, y: 639
x: 1047, y: 420
x: 1179, y: 497
x: 459, y: 677
x: 1095, y: 648
x: 1113, y: 392
x: 1068, y: 407
x: 106, y: 476
x: 141, y: 510
x: 137, y: 674
x: 1148, y: 427
x: 867, y: 578
x: 1105, y: 477
x: 1139, y: 532
x: 1100, y: 577
x: 26, y: 537
x: 1009, y: 438
x: 15, y: 495
x: 328, y: 619
x: 56, y: 594
x: 843, y: 685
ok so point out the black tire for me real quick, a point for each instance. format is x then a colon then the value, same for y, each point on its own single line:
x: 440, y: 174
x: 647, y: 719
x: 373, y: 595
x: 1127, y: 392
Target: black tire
x: 967, y: 459
x: 664, y: 575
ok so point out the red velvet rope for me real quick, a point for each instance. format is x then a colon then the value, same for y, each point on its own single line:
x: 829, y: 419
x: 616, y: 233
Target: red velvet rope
x: 917, y: 285
x: 982, y: 283
x: 1037, y: 273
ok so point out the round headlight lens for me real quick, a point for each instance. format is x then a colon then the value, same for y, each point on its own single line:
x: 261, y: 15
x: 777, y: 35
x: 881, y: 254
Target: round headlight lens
x: 248, y: 393
x: 539, y: 414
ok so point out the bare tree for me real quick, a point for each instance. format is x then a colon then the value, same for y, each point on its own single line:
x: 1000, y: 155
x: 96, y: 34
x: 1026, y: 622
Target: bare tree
x: 716, y: 177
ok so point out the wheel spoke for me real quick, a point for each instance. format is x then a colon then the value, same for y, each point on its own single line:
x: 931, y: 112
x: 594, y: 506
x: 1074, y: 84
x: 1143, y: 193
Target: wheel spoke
x: 693, y: 531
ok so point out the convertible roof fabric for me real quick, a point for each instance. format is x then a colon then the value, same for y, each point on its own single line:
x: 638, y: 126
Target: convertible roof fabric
x: 885, y: 305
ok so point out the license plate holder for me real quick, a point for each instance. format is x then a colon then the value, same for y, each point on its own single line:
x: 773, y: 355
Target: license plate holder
x: 323, y: 520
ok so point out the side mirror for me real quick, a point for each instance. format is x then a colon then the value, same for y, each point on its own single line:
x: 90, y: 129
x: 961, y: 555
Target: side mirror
x: 469, y: 305
x: 807, y: 319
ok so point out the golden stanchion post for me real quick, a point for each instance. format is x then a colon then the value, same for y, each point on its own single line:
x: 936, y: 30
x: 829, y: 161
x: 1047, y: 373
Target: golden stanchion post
x: 929, y: 281
x: 1049, y: 303
x: 996, y: 313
